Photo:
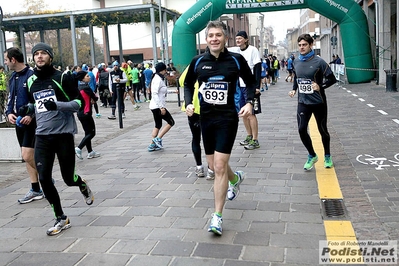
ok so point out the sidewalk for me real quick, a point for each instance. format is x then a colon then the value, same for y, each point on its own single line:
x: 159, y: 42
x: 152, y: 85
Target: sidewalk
x: 151, y: 209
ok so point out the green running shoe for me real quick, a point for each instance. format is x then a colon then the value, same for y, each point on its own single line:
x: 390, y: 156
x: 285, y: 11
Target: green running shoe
x: 328, y: 163
x: 310, y: 162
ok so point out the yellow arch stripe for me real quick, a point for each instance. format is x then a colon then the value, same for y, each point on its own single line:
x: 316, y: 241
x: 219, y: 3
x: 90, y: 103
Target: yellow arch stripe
x: 329, y: 188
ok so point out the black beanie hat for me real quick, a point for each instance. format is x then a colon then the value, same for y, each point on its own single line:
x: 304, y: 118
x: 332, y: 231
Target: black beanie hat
x: 159, y: 67
x: 43, y: 46
x: 81, y: 75
x: 242, y: 34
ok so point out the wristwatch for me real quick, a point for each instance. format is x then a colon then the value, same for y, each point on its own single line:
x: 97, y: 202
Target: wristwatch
x: 250, y: 101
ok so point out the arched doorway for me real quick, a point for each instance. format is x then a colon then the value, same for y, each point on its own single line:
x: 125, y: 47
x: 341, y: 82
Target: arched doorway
x: 347, y: 13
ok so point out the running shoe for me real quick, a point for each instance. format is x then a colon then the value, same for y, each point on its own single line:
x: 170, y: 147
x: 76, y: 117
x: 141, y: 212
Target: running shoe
x: 200, y: 171
x: 112, y: 117
x: 31, y: 196
x: 98, y: 115
x: 93, y: 154
x: 310, y: 162
x: 136, y: 107
x: 123, y: 115
x: 153, y: 147
x: 216, y: 224
x: 328, y: 163
x: 87, y: 194
x: 210, y: 175
x: 246, y: 140
x: 60, y: 224
x: 234, y: 190
x: 78, y: 153
x: 158, y: 142
x: 253, y: 144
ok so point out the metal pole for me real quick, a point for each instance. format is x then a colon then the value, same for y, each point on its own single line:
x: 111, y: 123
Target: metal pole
x: 120, y: 44
x: 73, y: 36
x: 59, y: 46
x: 92, y: 51
x: 161, y: 33
x: 22, y: 39
x: 154, y: 37
x: 165, y: 23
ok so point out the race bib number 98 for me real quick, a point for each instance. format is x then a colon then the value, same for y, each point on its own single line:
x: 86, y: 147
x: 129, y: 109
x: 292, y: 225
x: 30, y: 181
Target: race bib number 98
x: 215, y: 92
x: 43, y: 96
x: 305, y: 86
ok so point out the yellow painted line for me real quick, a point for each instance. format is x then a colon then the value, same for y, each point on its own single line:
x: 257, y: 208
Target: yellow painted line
x: 337, y: 232
x: 327, y: 180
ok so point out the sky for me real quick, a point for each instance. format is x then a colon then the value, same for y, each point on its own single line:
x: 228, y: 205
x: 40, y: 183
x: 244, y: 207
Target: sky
x: 280, y: 20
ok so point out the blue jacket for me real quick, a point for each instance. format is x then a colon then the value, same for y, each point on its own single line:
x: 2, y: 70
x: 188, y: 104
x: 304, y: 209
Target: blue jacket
x: 19, y: 94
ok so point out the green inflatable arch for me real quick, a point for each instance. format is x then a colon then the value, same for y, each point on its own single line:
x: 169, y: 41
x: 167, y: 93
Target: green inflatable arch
x: 347, y: 13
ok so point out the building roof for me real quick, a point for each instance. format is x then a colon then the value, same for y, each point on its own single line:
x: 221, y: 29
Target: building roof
x: 83, y: 18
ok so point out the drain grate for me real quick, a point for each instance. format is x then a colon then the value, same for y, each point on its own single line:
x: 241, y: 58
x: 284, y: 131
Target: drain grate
x: 333, y: 209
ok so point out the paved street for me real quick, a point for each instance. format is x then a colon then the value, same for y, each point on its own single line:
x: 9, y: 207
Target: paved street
x: 151, y: 209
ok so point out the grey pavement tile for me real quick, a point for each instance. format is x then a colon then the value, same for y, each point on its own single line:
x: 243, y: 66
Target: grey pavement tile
x: 263, y: 254
x: 301, y: 217
x: 145, y: 211
x: 306, y: 229
x: 173, y: 248
x: 179, y: 202
x: 92, y: 245
x: 295, y: 241
x: 303, y: 256
x: 111, y: 221
x: 6, y: 233
x: 52, y: 244
x: 139, y: 233
x: 252, y: 238
x: 47, y: 259
x: 203, y: 236
x: 218, y: 251
x: 133, y: 247
x: 7, y: 257
x: 170, y: 234
x: 175, y: 194
x: 267, y: 197
x: 241, y: 204
x: 185, y: 212
x: 245, y: 263
x: 273, y: 206
x: 152, y: 221
x: 265, y: 216
x: 190, y: 223
x: 145, y: 260
x: 146, y: 202
x: 197, y: 262
x: 9, y: 245
x: 105, y: 259
x: 268, y: 227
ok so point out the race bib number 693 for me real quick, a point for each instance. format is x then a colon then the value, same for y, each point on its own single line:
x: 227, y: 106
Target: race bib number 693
x: 215, y: 92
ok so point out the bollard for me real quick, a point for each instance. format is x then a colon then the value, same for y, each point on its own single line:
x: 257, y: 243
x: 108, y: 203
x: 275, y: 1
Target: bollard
x: 391, y: 75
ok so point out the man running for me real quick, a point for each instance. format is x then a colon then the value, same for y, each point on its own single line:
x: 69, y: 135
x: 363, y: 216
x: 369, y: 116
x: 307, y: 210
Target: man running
x: 217, y: 72
x: 312, y: 76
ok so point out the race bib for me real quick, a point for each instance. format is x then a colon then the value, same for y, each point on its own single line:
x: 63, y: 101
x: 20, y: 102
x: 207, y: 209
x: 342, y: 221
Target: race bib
x: 305, y: 86
x: 215, y: 92
x: 43, y: 96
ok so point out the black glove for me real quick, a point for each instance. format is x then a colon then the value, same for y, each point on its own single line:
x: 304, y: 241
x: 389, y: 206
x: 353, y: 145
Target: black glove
x: 23, y: 110
x: 50, y: 105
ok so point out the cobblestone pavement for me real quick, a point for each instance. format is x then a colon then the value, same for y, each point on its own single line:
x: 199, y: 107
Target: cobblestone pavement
x: 151, y: 209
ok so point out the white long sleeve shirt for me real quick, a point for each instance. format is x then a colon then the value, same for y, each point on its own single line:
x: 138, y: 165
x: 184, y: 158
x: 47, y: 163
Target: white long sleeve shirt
x: 159, y: 91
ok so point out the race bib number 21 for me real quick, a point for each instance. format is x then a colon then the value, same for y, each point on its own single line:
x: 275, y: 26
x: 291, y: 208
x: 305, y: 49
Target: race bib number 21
x: 43, y: 96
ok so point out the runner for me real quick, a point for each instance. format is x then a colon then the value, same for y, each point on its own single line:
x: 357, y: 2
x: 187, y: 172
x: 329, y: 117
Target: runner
x: 312, y: 76
x: 217, y: 72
